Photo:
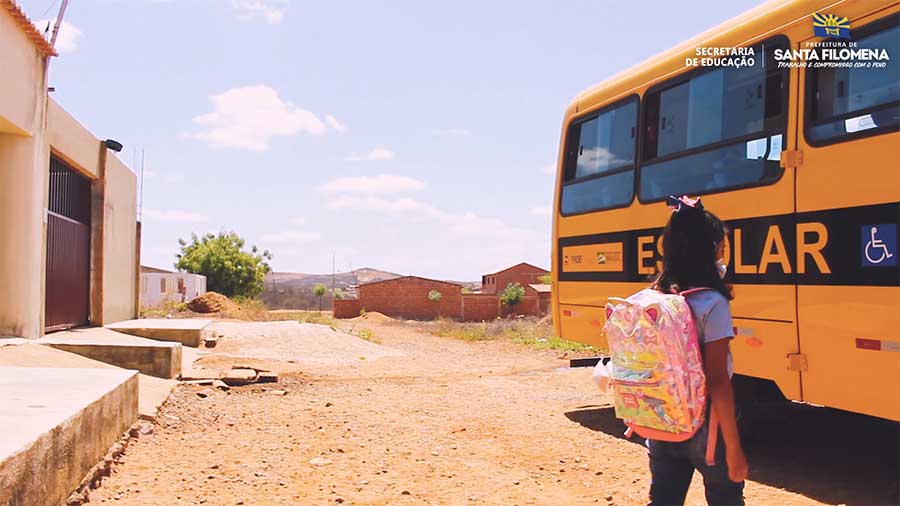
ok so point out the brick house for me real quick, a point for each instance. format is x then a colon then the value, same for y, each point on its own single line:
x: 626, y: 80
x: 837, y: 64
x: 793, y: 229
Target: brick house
x: 524, y: 273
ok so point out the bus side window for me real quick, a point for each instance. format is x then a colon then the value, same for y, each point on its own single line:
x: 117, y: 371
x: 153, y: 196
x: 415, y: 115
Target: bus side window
x: 599, y: 165
x: 846, y: 103
x: 715, y: 130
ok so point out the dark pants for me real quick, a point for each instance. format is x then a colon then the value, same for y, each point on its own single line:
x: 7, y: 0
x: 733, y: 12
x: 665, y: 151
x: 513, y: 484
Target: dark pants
x: 672, y: 467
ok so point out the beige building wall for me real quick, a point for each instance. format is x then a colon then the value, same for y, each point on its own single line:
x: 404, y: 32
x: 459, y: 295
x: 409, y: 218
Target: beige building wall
x: 22, y: 94
x: 72, y: 142
x: 31, y: 126
x: 119, y: 242
x: 23, y: 147
x: 22, y: 232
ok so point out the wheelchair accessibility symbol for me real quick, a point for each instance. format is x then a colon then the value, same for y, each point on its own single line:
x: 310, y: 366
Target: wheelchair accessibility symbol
x: 879, y: 245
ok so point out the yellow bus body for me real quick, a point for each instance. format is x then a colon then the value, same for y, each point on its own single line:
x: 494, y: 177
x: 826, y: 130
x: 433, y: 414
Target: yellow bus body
x: 826, y: 343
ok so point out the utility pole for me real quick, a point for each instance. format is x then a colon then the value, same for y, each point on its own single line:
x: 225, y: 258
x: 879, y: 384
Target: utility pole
x: 59, y: 20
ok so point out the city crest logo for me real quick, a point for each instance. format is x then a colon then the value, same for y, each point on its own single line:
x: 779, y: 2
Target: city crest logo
x: 829, y: 25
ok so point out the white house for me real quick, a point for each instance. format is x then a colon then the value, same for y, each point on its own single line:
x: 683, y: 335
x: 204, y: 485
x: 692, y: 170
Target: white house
x: 161, y: 286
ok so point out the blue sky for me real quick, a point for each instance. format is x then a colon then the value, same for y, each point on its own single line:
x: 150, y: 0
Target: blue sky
x: 415, y: 137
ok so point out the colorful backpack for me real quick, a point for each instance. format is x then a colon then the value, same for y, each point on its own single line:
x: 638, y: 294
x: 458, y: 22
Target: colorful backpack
x: 655, y: 366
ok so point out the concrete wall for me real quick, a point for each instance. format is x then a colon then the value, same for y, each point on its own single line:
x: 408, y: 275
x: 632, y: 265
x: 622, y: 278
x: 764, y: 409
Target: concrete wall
x: 119, y: 242
x: 152, y: 293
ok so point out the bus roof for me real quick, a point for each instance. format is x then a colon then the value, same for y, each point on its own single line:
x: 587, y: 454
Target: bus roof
x: 762, y: 20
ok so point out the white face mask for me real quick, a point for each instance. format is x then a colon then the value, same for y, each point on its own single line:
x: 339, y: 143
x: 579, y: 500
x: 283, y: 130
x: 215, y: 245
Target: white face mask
x: 723, y: 268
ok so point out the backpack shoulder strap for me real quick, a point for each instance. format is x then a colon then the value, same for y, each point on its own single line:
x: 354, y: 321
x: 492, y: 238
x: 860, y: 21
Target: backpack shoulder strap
x: 685, y: 293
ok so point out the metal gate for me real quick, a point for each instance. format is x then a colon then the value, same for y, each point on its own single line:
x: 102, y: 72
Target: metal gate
x: 68, y: 248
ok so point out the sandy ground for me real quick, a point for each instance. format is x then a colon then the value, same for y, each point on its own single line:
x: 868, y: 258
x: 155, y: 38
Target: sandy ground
x: 437, y: 421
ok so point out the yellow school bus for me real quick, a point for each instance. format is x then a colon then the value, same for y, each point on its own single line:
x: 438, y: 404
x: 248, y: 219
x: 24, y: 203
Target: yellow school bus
x: 785, y: 119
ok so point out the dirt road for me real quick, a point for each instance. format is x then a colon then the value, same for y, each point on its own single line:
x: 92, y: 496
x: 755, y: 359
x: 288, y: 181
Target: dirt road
x: 439, y: 421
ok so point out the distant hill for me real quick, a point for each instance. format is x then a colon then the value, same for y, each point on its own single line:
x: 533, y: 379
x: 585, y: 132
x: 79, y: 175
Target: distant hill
x: 294, y: 290
x: 277, y: 281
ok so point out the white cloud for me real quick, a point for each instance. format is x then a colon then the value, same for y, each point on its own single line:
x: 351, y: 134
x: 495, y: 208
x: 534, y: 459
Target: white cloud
x: 291, y: 236
x: 172, y: 216
x: 272, y: 11
x: 249, y: 117
x: 451, y: 132
x: 540, y: 211
x: 373, y: 155
x: 334, y: 124
x: 596, y: 159
x: 468, y: 224
x: 382, y: 184
x: 66, y: 39
x: 298, y: 220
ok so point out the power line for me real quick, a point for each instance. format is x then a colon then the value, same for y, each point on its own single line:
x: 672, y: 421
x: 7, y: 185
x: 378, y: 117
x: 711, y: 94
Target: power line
x: 47, y: 10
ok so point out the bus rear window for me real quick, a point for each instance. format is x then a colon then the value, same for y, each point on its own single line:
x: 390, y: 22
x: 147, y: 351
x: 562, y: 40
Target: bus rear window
x: 716, y: 130
x: 599, y: 164
x: 856, y: 101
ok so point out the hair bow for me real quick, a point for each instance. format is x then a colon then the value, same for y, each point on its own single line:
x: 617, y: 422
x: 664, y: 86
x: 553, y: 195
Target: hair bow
x: 678, y: 203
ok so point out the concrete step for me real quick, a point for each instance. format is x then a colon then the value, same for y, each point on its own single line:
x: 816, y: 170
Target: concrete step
x: 152, y: 391
x: 149, y: 356
x: 57, y: 423
x: 187, y: 331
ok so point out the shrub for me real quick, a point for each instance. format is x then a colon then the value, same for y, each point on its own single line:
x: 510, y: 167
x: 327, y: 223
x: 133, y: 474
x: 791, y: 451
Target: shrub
x: 512, y: 294
x: 229, y: 269
x: 434, y: 296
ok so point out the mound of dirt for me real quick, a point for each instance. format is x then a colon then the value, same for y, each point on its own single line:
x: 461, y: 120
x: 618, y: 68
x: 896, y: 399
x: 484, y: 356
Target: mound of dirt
x: 374, y: 317
x: 212, y: 302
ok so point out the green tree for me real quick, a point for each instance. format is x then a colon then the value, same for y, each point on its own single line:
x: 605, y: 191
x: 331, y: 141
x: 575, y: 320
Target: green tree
x: 512, y: 295
x: 229, y: 269
x: 338, y: 294
x: 545, y: 279
x: 320, y: 290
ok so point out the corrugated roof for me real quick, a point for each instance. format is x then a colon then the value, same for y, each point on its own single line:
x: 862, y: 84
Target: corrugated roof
x: 28, y: 27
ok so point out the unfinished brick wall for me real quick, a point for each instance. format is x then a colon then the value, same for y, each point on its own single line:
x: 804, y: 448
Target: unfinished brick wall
x: 408, y: 298
x: 346, y: 308
x: 478, y: 307
x: 528, y: 305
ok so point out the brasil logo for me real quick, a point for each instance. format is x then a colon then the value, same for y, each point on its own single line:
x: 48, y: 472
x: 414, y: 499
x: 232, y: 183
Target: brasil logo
x: 829, y: 25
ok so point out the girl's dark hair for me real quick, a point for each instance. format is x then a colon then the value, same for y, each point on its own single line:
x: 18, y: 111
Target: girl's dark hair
x: 689, y: 252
